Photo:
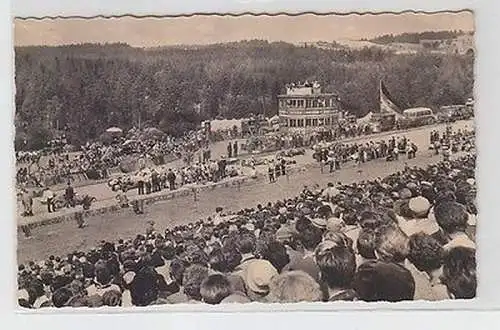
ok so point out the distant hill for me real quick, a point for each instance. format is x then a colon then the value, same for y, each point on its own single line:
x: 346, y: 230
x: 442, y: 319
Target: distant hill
x: 415, y: 38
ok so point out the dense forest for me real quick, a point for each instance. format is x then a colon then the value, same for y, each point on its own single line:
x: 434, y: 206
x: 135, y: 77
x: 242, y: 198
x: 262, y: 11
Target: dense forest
x: 84, y: 89
x: 414, y: 38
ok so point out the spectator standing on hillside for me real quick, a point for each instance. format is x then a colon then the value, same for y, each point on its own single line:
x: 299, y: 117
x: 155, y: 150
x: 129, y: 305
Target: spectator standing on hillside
x: 229, y: 150
x: 122, y: 198
x: 270, y: 172
x: 27, y: 199
x: 49, y: 196
x: 69, y: 196
x: 140, y: 184
x: 235, y: 149
x: 171, y: 179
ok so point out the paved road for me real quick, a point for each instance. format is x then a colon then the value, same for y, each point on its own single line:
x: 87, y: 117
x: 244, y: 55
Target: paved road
x: 65, y: 237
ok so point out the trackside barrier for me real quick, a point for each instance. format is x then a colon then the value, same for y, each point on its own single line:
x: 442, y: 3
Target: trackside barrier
x: 72, y: 214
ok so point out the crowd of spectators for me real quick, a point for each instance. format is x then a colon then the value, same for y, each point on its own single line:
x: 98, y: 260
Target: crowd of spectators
x: 95, y: 159
x: 153, y: 179
x: 338, y: 153
x: 452, y: 141
x: 408, y: 236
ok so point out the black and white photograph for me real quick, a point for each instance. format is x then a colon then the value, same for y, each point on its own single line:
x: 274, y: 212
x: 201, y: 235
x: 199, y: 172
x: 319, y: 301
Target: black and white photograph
x: 232, y: 159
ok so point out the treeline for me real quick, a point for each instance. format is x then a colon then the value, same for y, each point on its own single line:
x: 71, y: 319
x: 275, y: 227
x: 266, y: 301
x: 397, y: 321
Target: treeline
x: 84, y: 89
x: 415, y: 38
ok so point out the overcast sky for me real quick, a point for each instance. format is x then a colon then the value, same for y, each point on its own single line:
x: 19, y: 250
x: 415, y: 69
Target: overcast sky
x: 148, y: 32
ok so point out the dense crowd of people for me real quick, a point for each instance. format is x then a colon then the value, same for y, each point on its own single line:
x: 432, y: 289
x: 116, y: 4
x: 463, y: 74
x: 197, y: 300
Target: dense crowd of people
x: 336, y: 154
x: 408, y: 236
x: 450, y: 142
x: 290, y: 140
x: 95, y: 159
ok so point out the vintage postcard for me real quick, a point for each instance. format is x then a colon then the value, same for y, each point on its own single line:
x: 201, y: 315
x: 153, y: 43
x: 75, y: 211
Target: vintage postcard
x: 217, y: 159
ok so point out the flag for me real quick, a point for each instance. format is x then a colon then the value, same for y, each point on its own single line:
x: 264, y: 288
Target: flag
x: 386, y: 103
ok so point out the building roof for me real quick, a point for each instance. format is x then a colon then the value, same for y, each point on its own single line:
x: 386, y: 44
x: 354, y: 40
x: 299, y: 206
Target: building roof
x: 291, y: 96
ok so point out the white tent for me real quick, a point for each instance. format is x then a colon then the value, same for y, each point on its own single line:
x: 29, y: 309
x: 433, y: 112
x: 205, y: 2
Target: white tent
x: 224, y: 124
x: 114, y: 130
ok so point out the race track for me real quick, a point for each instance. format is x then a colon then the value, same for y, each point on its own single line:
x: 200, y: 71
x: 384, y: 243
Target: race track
x: 47, y: 240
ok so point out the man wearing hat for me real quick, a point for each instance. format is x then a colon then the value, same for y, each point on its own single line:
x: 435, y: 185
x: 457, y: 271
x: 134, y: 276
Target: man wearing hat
x: 418, y: 221
x: 257, y: 276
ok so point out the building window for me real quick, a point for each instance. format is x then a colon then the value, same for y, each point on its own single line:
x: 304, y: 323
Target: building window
x: 321, y: 121
x: 308, y: 103
x: 315, y: 122
x: 315, y: 104
x: 293, y: 123
x: 327, y: 121
x: 300, y: 123
x: 308, y: 122
x: 301, y: 103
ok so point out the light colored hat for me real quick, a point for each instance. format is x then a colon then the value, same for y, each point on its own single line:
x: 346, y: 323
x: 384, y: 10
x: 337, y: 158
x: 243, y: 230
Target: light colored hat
x: 283, y: 234
x: 419, y: 205
x: 319, y: 222
x: 250, y: 226
x: 334, y: 224
x: 258, y: 275
x: 405, y: 193
x: 128, y: 277
x: 471, y: 181
x: 411, y: 185
x: 23, y: 294
x: 282, y: 210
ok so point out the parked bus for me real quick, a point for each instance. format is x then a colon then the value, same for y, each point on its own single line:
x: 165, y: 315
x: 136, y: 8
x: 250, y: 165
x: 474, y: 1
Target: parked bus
x: 416, y: 117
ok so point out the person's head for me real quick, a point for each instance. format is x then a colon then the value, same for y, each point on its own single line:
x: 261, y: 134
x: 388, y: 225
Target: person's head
x: 419, y: 206
x: 451, y: 217
x: 366, y: 243
x: 231, y: 256
x: 144, y: 287
x: 382, y: 281
x: 193, y: 276
x: 35, y: 290
x: 215, y: 288
x: 337, y: 264
x: 310, y: 237
x: 177, y: 268
x: 459, y: 272
x: 370, y: 219
x: 293, y: 287
x: 60, y: 281
x: 276, y: 254
x: 392, y: 244
x: 246, y: 243
x: 339, y: 239
x: 112, y: 298
x: 217, y: 261
x: 61, y: 297
x: 426, y: 253
x: 102, y: 273
x: 257, y: 277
